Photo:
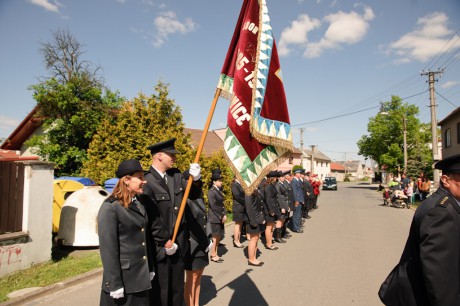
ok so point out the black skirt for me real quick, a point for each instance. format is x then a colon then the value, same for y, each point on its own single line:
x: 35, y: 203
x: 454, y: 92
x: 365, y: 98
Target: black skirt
x: 217, y: 229
x: 238, y: 216
x: 197, y: 263
x: 259, y: 228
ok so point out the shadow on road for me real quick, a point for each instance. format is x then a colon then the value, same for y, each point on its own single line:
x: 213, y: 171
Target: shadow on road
x: 245, y: 291
x: 362, y: 186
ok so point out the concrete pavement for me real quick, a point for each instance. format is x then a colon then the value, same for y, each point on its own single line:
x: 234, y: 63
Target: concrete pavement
x: 349, y: 246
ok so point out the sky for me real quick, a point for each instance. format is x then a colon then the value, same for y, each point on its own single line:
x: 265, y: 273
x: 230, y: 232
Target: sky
x: 339, y: 59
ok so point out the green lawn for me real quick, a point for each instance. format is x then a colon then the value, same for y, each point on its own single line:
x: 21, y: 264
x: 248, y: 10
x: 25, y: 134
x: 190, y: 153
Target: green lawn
x: 49, y: 273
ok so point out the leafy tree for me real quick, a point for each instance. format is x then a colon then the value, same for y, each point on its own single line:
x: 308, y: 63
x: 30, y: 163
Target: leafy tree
x: 73, y: 102
x: 139, y: 123
x: 385, y: 141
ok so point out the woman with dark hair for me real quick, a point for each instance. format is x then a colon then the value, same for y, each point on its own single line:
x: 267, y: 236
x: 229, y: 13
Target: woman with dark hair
x: 123, y: 243
x: 216, y: 212
x: 255, y: 213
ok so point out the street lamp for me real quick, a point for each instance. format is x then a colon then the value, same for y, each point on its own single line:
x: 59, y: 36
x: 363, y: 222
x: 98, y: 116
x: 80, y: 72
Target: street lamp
x: 404, y: 139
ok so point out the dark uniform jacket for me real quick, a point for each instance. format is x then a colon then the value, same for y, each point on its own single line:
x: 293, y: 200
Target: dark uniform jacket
x: 432, y: 255
x: 254, y: 209
x: 216, y: 205
x: 124, y: 247
x: 290, y: 193
x: 309, y: 190
x: 283, y: 198
x: 162, y: 203
x: 271, y: 200
x: 238, y: 197
x: 299, y: 194
x: 197, y: 223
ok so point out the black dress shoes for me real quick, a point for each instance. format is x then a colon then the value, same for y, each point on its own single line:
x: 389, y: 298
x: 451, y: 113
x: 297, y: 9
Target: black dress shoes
x: 240, y: 246
x: 260, y: 264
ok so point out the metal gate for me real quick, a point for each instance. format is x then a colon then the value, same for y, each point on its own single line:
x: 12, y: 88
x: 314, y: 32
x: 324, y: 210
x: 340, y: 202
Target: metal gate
x: 11, y: 196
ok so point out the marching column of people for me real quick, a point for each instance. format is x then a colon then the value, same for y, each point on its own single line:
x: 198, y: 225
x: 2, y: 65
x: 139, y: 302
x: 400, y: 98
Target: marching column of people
x: 136, y: 224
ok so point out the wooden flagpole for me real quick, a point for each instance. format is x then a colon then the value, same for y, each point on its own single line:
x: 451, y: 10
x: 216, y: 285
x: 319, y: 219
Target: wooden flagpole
x: 197, y: 159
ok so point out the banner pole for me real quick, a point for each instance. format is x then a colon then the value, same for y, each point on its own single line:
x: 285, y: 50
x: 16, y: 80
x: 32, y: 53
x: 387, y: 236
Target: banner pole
x: 197, y: 159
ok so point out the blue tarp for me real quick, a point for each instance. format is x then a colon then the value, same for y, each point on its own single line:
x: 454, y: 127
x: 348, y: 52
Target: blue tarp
x: 83, y: 180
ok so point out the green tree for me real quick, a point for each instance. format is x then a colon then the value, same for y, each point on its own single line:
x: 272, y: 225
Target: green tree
x: 72, y: 102
x: 217, y: 160
x: 139, y: 123
x: 385, y: 141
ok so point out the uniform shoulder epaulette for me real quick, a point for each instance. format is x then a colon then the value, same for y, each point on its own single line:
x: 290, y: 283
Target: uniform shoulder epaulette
x: 444, y: 201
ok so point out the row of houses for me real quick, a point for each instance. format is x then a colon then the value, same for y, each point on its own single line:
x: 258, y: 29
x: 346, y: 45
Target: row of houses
x: 312, y: 160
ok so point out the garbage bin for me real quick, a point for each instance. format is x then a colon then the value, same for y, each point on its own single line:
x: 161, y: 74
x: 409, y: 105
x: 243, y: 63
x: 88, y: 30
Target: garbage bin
x: 78, y: 223
x: 110, y: 184
x: 62, y: 189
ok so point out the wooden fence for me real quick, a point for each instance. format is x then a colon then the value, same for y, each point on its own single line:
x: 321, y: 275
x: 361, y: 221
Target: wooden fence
x: 11, y: 196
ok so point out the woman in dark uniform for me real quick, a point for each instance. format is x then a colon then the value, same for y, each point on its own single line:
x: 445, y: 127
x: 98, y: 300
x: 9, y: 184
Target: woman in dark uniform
x: 273, y: 212
x: 283, y: 198
x: 216, y: 212
x: 255, y: 214
x: 197, y: 259
x: 238, y: 212
x: 123, y: 243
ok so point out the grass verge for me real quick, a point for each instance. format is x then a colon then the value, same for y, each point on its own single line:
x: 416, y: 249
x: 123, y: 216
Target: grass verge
x: 49, y: 273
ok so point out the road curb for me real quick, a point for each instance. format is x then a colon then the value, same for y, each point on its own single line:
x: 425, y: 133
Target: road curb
x: 52, y: 288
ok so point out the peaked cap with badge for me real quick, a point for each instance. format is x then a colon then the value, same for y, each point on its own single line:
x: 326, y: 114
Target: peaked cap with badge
x: 450, y: 164
x: 166, y: 146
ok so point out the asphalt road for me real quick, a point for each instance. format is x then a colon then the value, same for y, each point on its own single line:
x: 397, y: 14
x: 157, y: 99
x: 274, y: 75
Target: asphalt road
x: 349, y: 246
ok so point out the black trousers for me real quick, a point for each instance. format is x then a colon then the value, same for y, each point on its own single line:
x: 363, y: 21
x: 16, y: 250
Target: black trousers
x: 168, y: 284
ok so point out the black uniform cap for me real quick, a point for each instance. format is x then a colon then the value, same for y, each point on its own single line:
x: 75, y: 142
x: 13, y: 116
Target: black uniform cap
x: 216, y: 174
x: 273, y: 174
x: 449, y: 165
x: 127, y: 167
x: 166, y: 146
x: 285, y: 172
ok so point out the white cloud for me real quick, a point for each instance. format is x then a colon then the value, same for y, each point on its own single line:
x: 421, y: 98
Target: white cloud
x: 47, y: 5
x: 450, y: 84
x: 8, y: 123
x: 344, y: 28
x: 431, y: 35
x: 297, y: 33
x: 167, y: 24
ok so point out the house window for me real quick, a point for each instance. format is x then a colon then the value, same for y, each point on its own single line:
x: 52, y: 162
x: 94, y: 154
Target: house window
x: 447, y: 138
x: 458, y: 132
x: 291, y: 160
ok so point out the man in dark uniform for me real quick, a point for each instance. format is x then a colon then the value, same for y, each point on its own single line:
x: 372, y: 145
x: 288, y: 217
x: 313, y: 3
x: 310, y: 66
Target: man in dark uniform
x: 431, y: 257
x: 299, y: 200
x: 162, y: 198
x: 309, y: 196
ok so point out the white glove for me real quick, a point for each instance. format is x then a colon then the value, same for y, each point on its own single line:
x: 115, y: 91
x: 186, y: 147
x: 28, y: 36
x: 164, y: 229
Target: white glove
x: 209, y: 246
x: 152, y: 275
x: 195, y: 171
x: 118, y: 294
x: 171, y: 250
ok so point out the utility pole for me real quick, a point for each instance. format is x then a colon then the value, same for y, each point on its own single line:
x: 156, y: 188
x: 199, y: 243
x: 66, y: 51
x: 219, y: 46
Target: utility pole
x: 405, y: 144
x: 434, y: 122
x: 313, y: 149
x: 301, y: 146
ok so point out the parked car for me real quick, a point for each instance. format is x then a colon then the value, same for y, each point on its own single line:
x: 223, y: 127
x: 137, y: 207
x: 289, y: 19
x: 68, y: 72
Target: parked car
x: 330, y: 183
